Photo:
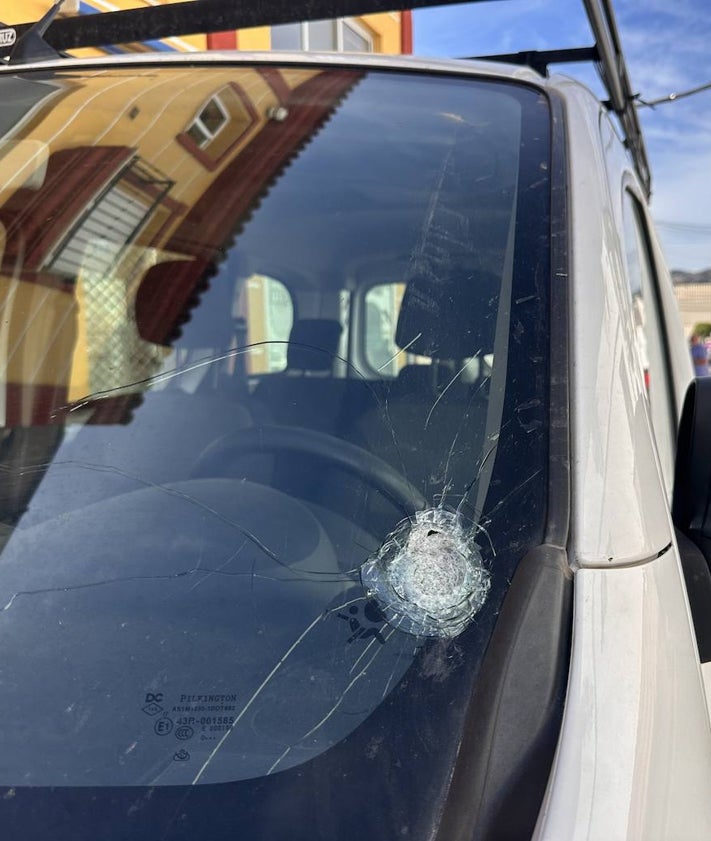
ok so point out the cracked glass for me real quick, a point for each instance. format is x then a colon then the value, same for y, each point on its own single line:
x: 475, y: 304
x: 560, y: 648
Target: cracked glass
x: 274, y: 437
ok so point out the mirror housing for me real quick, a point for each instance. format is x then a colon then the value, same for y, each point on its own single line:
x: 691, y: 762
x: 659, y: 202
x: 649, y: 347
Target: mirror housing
x: 691, y: 508
x: 691, y: 504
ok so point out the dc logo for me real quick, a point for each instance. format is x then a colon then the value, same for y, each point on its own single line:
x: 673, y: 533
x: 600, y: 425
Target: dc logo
x: 154, y: 698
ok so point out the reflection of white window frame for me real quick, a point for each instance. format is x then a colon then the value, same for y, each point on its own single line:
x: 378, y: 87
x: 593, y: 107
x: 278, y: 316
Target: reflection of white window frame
x: 340, y: 24
x: 197, y: 123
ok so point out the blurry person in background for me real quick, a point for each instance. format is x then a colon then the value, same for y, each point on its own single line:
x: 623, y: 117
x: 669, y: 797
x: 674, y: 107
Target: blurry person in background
x: 699, y: 356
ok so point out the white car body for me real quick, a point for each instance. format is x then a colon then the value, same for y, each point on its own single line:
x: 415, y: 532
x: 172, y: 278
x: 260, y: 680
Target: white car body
x: 635, y: 748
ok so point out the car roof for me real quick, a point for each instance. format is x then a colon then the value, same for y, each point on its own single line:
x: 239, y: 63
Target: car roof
x: 472, y: 67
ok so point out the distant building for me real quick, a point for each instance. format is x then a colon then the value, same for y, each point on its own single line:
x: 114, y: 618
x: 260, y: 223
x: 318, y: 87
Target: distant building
x: 694, y: 301
x: 693, y: 294
x: 388, y: 32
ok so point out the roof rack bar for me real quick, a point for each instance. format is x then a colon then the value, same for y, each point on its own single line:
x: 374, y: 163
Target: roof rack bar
x: 540, y: 60
x: 202, y: 16
x: 613, y: 72
x: 612, y: 66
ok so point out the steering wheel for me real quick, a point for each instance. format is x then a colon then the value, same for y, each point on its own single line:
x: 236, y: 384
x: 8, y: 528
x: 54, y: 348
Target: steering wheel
x: 371, y: 469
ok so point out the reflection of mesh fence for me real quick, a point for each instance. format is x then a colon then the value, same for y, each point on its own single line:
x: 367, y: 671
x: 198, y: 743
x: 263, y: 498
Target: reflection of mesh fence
x: 117, y: 355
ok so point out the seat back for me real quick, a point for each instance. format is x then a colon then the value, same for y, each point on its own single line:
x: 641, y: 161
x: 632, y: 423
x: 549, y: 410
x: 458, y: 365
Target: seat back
x: 306, y: 394
x: 432, y: 424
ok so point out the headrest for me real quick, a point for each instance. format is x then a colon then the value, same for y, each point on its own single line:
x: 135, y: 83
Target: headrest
x: 176, y: 304
x: 450, y: 316
x: 416, y: 379
x: 313, y: 344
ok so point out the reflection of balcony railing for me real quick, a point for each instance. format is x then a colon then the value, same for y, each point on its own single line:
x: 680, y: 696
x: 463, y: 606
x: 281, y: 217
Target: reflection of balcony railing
x: 111, y: 222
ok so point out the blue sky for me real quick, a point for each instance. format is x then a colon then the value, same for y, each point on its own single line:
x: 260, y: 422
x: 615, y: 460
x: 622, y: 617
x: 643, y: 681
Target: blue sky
x: 667, y: 44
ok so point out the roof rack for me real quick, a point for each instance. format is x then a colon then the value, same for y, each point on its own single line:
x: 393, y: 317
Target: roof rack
x: 613, y: 72
x: 206, y: 16
x: 609, y: 59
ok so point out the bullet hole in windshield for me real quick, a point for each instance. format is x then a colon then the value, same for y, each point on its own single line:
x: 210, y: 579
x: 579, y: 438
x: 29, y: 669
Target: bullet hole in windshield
x: 428, y: 577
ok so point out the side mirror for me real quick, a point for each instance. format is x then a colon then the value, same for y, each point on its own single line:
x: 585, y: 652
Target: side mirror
x: 691, y: 505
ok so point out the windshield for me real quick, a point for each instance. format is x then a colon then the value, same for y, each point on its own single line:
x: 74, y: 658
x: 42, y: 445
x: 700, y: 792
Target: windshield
x: 274, y: 433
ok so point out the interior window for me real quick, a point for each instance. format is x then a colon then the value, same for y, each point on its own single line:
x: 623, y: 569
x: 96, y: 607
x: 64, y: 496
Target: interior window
x: 269, y: 314
x: 382, y: 353
x: 382, y: 304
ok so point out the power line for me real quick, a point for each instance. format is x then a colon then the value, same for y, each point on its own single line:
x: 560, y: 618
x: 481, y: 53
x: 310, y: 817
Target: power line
x: 684, y: 227
x: 673, y: 97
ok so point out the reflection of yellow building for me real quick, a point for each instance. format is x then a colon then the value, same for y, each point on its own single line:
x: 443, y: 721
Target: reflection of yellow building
x: 388, y: 32
x: 140, y: 185
x: 68, y: 171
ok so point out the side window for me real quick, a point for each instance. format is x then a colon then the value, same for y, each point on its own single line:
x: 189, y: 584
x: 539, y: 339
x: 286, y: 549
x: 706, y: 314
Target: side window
x: 650, y: 332
x: 382, y: 304
x: 382, y: 353
x: 342, y: 35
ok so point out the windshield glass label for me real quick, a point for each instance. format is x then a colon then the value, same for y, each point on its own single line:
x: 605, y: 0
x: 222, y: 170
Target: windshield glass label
x: 190, y: 715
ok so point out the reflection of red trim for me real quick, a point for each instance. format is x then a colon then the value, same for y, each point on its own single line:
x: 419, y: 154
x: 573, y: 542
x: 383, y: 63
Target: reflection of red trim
x: 34, y: 405
x: 114, y: 410
x: 37, y: 220
x: 406, y: 38
x: 276, y: 82
x: 162, y: 301
x: 199, y: 154
x: 42, y: 405
x: 222, y: 41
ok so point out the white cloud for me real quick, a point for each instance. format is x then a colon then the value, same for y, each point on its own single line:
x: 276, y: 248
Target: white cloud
x: 682, y: 195
x: 666, y: 46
